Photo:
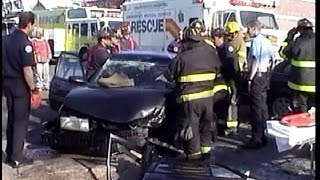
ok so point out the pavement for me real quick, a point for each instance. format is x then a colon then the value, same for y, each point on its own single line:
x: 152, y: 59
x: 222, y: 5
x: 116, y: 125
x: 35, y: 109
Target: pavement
x: 264, y: 164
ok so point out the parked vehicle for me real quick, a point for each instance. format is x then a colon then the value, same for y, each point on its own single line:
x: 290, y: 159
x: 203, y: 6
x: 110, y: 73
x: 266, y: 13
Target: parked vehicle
x: 124, y: 98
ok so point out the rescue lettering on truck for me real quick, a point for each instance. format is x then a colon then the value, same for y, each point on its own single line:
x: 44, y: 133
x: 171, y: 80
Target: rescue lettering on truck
x: 151, y: 25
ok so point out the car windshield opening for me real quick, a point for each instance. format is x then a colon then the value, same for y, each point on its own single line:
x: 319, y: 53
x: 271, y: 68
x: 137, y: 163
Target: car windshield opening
x: 137, y: 71
x: 267, y: 20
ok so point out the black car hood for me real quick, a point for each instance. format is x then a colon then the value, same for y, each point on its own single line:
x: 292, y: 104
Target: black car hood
x: 118, y: 105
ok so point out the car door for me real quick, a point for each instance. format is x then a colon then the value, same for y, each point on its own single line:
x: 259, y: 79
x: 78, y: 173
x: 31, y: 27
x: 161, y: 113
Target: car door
x: 68, y: 68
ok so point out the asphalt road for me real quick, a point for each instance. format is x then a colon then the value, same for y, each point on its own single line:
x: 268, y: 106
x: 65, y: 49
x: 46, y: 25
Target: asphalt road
x: 264, y: 164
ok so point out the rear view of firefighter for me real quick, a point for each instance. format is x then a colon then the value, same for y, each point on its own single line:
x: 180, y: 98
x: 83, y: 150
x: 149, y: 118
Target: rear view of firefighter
x: 194, y: 71
x: 237, y: 41
x: 301, y: 54
x: 225, y: 101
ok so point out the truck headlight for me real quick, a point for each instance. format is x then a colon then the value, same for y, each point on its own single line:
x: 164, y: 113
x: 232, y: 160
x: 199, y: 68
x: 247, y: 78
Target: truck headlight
x: 74, y: 123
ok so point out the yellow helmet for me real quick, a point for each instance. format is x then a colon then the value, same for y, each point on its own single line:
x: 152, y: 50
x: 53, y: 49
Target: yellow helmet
x: 232, y: 27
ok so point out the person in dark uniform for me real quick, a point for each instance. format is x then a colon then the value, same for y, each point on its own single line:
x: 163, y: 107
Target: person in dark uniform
x: 261, y: 51
x: 225, y: 103
x: 98, y: 54
x: 19, y: 87
x: 194, y: 71
x: 301, y: 54
x: 176, y: 46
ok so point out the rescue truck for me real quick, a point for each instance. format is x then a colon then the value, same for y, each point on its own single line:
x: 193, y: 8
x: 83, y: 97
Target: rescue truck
x: 155, y: 23
x: 72, y: 29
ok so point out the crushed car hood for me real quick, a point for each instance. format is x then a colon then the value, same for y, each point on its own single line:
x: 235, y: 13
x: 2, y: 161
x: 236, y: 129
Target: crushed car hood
x: 118, y: 105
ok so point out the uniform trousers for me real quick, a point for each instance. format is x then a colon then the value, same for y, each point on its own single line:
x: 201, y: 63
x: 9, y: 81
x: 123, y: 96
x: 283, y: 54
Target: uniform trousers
x: 259, y: 108
x: 18, y: 95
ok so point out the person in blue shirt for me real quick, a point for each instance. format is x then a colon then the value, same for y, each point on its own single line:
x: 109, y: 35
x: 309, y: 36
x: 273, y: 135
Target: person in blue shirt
x: 260, y: 54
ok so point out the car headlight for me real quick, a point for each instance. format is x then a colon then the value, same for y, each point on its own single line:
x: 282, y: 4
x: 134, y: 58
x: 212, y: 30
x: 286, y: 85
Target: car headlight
x: 74, y: 123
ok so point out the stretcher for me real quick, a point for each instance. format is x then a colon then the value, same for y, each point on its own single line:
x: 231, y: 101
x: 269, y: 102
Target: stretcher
x: 288, y: 137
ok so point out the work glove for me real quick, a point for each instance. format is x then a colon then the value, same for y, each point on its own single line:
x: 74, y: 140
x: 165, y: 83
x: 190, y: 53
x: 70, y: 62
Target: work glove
x: 162, y: 78
x: 184, y: 134
x: 35, y: 99
x: 291, y: 34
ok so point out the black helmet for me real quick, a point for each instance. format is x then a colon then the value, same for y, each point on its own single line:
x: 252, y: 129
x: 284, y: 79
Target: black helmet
x: 198, y: 24
x: 218, y: 32
x: 192, y: 33
x: 304, y: 23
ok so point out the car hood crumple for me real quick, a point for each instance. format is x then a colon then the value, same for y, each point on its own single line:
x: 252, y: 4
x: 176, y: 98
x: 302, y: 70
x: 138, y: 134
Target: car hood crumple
x: 117, y: 105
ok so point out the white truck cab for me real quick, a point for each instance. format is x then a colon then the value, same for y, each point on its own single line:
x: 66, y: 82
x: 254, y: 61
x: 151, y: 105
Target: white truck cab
x: 155, y: 23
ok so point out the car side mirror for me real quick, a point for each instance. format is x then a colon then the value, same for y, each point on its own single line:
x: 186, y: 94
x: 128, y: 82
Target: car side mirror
x: 76, y: 79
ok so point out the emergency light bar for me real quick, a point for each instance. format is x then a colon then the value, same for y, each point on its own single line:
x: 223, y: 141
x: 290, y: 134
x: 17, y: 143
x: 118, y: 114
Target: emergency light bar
x: 112, y: 14
x: 244, y: 3
x: 255, y: 3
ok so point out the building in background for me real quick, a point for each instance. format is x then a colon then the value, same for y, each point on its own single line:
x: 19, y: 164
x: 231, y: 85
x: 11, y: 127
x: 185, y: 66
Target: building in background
x: 290, y: 11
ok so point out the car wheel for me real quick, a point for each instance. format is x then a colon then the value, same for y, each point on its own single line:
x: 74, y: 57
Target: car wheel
x: 280, y: 106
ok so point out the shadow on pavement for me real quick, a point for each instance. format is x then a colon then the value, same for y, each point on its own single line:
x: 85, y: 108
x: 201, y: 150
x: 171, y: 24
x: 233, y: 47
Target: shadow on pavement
x: 124, y: 168
x: 266, y: 163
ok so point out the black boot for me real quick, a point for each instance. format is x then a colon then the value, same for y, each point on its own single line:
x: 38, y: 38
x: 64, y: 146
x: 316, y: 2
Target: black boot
x: 18, y: 164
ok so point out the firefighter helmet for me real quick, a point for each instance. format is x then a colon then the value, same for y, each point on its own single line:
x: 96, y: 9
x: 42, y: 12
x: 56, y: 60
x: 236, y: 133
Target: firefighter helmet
x: 232, y: 27
x: 199, y: 25
x: 192, y: 33
x: 304, y: 23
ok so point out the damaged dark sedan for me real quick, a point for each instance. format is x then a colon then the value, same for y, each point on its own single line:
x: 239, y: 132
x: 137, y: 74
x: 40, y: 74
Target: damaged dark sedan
x: 125, y: 97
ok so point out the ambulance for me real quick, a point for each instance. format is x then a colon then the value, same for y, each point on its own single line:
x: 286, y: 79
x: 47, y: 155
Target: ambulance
x: 156, y: 23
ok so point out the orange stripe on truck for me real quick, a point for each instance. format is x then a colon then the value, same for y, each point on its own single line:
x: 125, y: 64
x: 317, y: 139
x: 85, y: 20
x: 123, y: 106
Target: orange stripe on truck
x: 172, y: 27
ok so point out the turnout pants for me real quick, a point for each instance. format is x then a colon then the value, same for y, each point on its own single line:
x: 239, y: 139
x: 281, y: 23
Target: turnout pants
x: 194, y: 119
x: 259, y: 108
x: 227, y: 113
x: 18, y: 105
x: 220, y: 108
x: 302, y: 101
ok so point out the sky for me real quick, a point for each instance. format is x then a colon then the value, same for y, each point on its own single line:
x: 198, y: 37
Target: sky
x: 29, y: 4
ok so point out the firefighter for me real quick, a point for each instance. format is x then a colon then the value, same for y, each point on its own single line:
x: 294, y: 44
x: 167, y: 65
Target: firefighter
x: 194, y: 71
x: 301, y: 53
x: 226, y: 102
x: 235, y: 37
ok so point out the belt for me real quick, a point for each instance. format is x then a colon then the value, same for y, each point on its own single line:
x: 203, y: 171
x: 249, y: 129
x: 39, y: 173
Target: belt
x: 260, y: 74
